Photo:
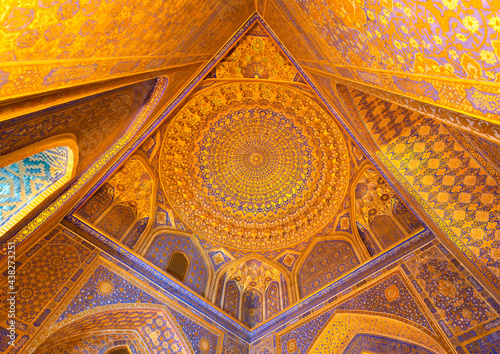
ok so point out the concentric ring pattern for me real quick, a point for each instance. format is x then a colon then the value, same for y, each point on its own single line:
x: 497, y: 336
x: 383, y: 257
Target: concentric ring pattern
x: 254, y: 166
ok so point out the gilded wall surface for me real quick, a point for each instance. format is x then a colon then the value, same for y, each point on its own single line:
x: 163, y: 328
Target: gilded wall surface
x: 301, y: 219
x: 54, y: 44
x: 443, y: 53
x: 97, y: 122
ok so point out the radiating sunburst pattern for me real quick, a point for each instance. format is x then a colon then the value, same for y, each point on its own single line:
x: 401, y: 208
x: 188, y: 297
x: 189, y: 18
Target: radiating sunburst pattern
x: 254, y: 165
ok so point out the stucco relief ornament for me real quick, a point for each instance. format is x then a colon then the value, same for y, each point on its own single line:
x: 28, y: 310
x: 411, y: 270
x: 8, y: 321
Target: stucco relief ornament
x: 253, y: 165
x: 253, y: 274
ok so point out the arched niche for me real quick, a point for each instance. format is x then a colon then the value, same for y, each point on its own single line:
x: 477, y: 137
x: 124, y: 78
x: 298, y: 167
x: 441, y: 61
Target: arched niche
x: 343, y: 327
x: 125, y: 318
x: 252, y: 289
x: 274, y: 304
x: 232, y: 298
x: 30, y: 175
x: 222, y: 272
x: 367, y: 239
x: 117, y: 220
x: 326, y: 259
x: 178, y: 265
x: 386, y: 230
x: 119, y: 350
x: 164, y: 242
x: 122, y: 207
x: 376, y: 344
x: 252, y: 308
x: 378, y: 212
x: 99, y: 343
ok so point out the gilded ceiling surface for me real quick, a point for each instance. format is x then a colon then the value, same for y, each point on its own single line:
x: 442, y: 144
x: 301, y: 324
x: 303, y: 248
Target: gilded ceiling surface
x: 256, y: 56
x: 254, y: 166
x: 441, y: 52
x: 49, y: 44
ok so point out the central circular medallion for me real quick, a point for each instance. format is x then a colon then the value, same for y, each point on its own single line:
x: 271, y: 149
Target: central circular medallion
x: 253, y: 166
x: 256, y: 159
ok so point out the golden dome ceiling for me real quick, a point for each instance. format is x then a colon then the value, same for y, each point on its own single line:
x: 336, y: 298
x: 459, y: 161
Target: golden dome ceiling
x: 254, y: 165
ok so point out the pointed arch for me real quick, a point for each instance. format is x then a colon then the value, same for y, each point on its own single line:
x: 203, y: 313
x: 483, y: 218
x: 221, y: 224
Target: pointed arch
x: 377, y: 344
x: 379, y: 241
x: 30, y: 175
x: 181, y: 241
x: 339, y: 236
x: 232, y: 299
x: 252, y: 307
x: 120, y: 213
x: 222, y: 270
x: 178, y: 265
x: 342, y: 327
x: 124, y: 317
x: 272, y: 301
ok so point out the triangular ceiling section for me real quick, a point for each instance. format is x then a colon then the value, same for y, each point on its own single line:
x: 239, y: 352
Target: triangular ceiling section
x: 252, y: 53
x: 255, y: 58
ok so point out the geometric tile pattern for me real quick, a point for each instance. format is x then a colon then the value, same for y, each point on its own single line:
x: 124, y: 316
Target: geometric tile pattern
x: 232, y: 299
x: 378, y: 208
x: 390, y: 296
x: 326, y: 262
x: 362, y: 343
x: 45, y: 274
x: 23, y: 182
x: 390, y: 44
x: 255, y: 56
x: 116, y: 320
x: 98, y: 344
x: 97, y: 203
x: 135, y: 233
x: 106, y: 288
x: 453, y: 295
x: 372, y: 196
x: 306, y: 334
x: 272, y: 154
x: 367, y: 239
x: 405, y: 216
x: 160, y: 336
x: 486, y: 345
x: 74, y: 31
x: 202, y: 340
x: 148, y: 146
x: 161, y: 250
x: 273, y: 305
x: 117, y: 221
x: 342, y: 327
x: 133, y: 187
x: 220, y: 288
x: 288, y: 260
x: 284, y: 290
x: 218, y: 259
x: 266, y: 345
x: 446, y: 176
x: 152, y: 325
x: 95, y: 121
x: 386, y: 230
x: 233, y: 347
x: 162, y: 218
x: 488, y: 148
x: 251, y: 312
